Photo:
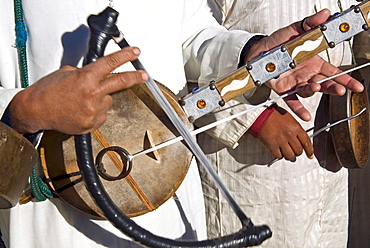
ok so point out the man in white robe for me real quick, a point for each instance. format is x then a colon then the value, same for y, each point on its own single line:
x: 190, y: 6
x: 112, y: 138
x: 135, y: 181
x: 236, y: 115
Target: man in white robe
x: 169, y: 35
x: 304, y: 204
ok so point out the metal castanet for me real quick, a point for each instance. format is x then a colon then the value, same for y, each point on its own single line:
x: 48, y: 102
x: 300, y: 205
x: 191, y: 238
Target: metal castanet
x: 341, y: 27
x: 351, y: 139
x: 135, y: 122
x: 17, y: 158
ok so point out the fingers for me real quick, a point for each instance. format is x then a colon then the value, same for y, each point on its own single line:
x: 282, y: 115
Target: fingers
x: 345, y: 80
x: 306, y: 144
x: 333, y: 86
x: 276, y: 152
x: 288, y: 152
x: 310, y: 81
x: 313, y: 21
x: 101, y: 69
x: 123, y: 80
x: 105, y: 65
x: 327, y: 87
x: 297, y: 107
x: 88, y: 88
x: 309, y: 90
x: 284, y: 136
x: 294, y: 148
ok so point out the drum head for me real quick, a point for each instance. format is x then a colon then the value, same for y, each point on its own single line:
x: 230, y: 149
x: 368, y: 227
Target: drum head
x: 135, y: 123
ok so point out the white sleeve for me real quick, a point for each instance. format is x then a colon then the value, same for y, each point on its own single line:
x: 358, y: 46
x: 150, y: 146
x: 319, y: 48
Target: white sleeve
x: 6, y: 95
x: 211, y: 52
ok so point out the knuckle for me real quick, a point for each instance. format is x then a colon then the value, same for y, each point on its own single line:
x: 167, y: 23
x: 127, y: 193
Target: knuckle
x: 130, y: 78
x: 122, y: 80
x: 107, y: 102
x: 90, y: 125
x: 88, y: 118
x: 112, y: 60
x: 88, y: 122
x: 135, y: 76
x: 84, y: 75
x: 299, y: 151
x: 276, y: 153
x: 139, y: 76
x: 307, y: 144
x: 97, y: 122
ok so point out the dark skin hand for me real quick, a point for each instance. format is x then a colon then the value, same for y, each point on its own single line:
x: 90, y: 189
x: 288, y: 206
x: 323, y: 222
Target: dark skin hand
x: 307, y: 73
x: 71, y: 100
x: 284, y: 136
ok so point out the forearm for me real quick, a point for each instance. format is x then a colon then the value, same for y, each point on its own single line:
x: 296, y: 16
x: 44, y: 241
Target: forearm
x: 222, y: 54
x: 213, y: 53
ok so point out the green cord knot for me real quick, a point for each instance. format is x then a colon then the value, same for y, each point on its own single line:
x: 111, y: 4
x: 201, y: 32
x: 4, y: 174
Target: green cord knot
x: 40, y: 191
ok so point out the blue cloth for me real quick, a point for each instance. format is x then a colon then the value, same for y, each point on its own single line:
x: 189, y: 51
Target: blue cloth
x: 2, y: 244
x: 6, y: 118
x: 246, y: 48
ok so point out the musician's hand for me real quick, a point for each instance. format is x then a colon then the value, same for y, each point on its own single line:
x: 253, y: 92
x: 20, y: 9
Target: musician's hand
x: 284, y: 136
x: 71, y: 100
x: 306, y: 73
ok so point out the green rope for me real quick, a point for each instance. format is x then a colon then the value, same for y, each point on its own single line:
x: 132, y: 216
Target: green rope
x: 21, y: 40
x: 39, y: 189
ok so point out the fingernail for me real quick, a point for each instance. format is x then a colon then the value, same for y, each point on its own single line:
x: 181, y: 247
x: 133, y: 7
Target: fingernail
x: 144, y: 76
x: 136, y: 51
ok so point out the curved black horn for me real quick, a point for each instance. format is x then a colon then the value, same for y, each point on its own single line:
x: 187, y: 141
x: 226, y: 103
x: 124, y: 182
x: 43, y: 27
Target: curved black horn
x: 103, y: 28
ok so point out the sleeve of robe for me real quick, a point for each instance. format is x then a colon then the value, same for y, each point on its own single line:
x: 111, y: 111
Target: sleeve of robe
x: 212, y: 53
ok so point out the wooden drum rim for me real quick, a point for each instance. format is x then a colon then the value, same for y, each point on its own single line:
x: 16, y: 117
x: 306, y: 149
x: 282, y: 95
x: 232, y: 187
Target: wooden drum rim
x: 351, y: 138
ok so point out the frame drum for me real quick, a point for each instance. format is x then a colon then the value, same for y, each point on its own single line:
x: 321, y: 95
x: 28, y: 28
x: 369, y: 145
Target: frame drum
x: 135, y: 123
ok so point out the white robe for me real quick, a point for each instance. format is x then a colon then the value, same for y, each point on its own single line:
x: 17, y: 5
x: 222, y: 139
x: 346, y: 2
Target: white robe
x: 170, y: 34
x: 304, y: 204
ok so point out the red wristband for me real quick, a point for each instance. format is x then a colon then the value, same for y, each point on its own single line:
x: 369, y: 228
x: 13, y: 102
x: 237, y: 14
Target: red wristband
x: 257, y: 125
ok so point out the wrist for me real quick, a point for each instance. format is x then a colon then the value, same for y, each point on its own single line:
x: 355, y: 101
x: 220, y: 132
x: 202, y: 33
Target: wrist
x: 257, y: 125
x: 22, y: 116
x: 247, y: 47
x: 255, y: 49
